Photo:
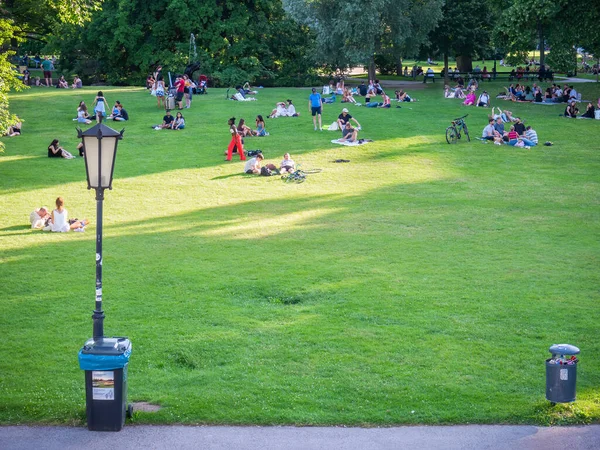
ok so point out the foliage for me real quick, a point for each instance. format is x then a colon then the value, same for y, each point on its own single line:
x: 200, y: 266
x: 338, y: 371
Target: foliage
x: 419, y: 283
x: 39, y: 18
x: 464, y: 32
x: 8, y: 76
x: 529, y: 22
x: 350, y: 33
x: 236, y: 40
x: 562, y: 58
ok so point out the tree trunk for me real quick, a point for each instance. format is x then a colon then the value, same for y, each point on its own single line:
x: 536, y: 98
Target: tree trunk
x: 464, y: 63
x: 372, y: 72
x: 399, y: 66
x: 542, y: 44
x: 446, y: 68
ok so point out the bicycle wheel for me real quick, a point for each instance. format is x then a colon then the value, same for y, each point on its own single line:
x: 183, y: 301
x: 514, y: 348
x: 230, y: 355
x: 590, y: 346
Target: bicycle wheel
x: 467, y: 132
x: 451, y: 135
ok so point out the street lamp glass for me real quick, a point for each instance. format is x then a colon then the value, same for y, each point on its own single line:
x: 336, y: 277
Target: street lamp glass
x: 100, y: 148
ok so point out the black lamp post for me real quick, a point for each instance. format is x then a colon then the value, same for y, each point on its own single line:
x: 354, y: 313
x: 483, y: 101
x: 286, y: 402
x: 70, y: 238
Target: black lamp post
x: 99, y: 150
x: 104, y: 360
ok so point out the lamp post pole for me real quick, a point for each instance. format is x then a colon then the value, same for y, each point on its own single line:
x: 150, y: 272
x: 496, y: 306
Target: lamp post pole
x: 98, y: 315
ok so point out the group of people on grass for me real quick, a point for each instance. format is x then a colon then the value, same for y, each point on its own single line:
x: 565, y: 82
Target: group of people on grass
x: 57, y: 220
x: 517, y: 135
x: 254, y: 165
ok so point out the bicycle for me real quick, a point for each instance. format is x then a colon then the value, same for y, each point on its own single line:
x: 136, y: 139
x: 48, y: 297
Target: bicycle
x: 453, y: 131
x: 298, y: 175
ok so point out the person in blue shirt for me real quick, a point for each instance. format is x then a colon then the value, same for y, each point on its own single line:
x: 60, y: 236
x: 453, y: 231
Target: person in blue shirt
x: 315, y: 105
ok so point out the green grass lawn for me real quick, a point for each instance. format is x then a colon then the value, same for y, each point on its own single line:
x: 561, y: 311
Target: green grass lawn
x: 419, y: 283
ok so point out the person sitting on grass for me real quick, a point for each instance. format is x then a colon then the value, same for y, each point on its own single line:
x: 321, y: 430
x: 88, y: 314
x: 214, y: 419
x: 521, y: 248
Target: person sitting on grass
x: 243, y: 129
x: 402, y: 96
x: 589, y: 112
x: 279, y: 111
x: 448, y: 93
x: 39, y: 218
x: 287, y: 165
x: 531, y: 136
x: 121, y: 114
x: 571, y: 110
x: 115, y: 110
x: 82, y: 114
x: 14, y: 129
x: 60, y: 222
x: 349, y: 134
x: 62, y: 83
x: 483, y: 100
x: 348, y: 97
x: 459, y: 93
x: 252, y: 166
x: 489, y: 131
x: 386, y: 101
x: 179, y: 122
x: 519, y: 127
x: 260, y: 127
x: 499, y: 127
x: 77, y: 83
x: 470, y: 99
x: 291, y: 109
x: 167, y: 120
x: 56, y: 151
x: 344, y: 118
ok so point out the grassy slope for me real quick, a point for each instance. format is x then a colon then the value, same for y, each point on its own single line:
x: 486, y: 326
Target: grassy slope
x: 420, y: 283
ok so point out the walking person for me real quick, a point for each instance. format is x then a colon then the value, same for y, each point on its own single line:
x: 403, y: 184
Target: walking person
x: 315, y: 106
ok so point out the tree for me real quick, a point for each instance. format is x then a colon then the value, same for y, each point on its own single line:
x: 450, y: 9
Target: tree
x: 8, y: 76
x: 559, y: 24
x: 464, y: 32
x: 352, y: 32
x: 236, y: 40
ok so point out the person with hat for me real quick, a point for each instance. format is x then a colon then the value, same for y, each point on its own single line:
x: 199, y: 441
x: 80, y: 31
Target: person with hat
x: 344, y: 118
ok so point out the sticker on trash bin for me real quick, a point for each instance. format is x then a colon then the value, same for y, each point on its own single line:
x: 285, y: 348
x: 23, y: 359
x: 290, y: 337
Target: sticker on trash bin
x: 564, y: 374
x: 103, y: 384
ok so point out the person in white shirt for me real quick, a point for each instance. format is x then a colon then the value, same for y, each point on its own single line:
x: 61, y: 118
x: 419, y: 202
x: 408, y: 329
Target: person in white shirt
x: 39, y: 217
x: 291, y: 109
x: 253, y: 165
x: 60, y: 222
x: 287, y: 165
x: 483, y: 100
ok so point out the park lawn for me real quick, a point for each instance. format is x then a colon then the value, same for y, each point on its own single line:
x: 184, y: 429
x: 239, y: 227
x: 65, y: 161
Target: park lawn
x: 419, y: 283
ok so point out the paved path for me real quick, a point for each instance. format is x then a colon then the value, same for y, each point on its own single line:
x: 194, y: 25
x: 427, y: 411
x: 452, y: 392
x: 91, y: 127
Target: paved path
x: 475, y: 437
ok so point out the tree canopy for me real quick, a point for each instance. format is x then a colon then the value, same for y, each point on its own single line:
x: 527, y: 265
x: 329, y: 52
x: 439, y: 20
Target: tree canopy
x: 351, y: 32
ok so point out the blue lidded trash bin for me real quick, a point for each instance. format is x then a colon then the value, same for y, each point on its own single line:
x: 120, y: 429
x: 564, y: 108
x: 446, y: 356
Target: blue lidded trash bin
x: 561, y: 373
x: 105, y: 362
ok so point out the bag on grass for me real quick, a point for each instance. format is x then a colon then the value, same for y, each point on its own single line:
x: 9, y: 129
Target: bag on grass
x: 265, y: 172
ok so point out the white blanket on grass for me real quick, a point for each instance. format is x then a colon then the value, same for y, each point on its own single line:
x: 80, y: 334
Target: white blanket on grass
x: 348, y: 143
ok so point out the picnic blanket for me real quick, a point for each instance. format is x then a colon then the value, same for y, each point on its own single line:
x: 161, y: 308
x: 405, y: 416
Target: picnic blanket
x: 351, y: 144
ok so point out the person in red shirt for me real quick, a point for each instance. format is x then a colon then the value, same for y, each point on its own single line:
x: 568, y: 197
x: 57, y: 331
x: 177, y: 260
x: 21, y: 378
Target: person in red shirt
x: 180, y: 85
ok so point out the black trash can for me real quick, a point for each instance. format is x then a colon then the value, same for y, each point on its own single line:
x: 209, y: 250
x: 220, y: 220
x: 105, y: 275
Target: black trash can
x: 561, y: 374
x: 105, y: 362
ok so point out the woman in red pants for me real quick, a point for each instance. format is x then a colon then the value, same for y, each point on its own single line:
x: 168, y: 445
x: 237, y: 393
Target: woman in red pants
x: 235, y: 146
